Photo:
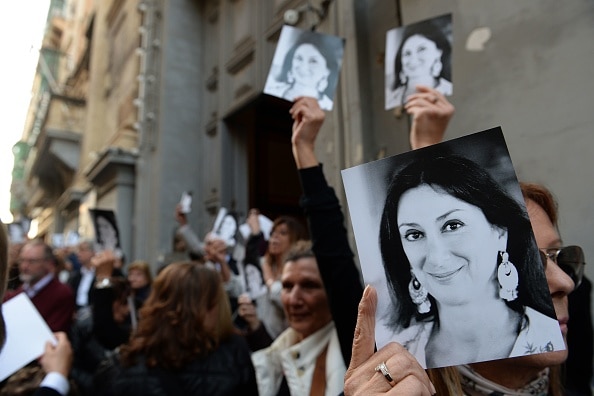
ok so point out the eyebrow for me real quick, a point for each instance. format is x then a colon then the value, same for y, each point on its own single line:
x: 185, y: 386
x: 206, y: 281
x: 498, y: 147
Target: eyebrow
x: 446, y: 214
x: 439, y: 218
x: 557, y: 243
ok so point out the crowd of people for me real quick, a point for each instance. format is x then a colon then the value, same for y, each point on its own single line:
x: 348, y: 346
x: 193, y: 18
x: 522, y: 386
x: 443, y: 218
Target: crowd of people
x: 287, y: 315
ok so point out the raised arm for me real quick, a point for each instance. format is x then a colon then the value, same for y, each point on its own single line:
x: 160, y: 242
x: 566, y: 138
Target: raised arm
x: 195, y: 245
x: 326, y: 222
x: 431, y: 112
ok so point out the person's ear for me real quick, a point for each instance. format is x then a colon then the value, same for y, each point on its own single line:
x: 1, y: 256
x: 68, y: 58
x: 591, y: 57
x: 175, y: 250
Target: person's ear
x: 290, y: 78
x: 502, y: 237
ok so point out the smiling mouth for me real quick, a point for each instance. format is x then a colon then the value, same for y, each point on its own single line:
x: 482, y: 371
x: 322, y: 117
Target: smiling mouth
x: 444, y: 276
x: 298, y: 316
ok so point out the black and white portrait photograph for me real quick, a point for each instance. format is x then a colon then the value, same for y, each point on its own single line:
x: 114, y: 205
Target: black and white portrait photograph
x: 443, y: 234
x: 225, y: 227
x: 418, y: 54
x: 305, y: 63
x: 107, y: 235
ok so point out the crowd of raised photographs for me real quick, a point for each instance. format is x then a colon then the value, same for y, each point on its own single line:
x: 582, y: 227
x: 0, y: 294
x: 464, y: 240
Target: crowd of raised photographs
x: 288, y: 315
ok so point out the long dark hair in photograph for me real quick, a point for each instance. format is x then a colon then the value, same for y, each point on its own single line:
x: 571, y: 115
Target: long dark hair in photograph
x: 325, y: 45
x: 467, y: 181
x: 433, y: 32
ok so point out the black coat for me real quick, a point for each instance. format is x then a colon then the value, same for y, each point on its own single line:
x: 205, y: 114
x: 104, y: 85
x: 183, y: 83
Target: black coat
x: 227, y: 371
x: 333, y: 254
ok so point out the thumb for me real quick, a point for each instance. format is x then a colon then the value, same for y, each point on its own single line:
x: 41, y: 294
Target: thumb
x: 364, y: 340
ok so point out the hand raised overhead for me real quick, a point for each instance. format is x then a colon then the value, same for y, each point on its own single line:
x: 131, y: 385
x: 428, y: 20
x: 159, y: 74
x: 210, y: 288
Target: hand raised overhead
x: 308, y: 119
x: 431, y: 112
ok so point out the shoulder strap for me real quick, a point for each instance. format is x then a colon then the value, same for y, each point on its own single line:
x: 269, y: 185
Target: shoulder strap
x: 318, y: 382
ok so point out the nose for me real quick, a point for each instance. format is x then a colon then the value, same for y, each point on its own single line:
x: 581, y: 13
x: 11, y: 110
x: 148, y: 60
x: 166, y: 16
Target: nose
x: 560, y: 284
x: 436, y: 253
x: 295, y: 296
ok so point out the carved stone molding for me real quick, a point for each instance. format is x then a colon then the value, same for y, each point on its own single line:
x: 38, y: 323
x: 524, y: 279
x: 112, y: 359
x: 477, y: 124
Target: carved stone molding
x: 243, y: 90
x: 213, y: 80
x: 243, y: 54
x: 211, y: 126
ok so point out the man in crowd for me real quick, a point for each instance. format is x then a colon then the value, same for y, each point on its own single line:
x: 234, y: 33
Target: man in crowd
x: 53, y: 300
x: 81, y: 281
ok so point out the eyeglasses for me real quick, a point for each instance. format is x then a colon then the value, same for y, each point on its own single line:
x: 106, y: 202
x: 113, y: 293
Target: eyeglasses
x: 569, y: 258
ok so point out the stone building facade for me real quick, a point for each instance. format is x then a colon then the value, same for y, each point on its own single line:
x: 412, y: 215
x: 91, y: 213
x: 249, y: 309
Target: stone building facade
x: 166, y: 96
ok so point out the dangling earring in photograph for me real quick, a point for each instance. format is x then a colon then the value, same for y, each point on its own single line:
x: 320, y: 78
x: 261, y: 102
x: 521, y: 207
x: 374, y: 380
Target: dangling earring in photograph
x: 418, y: 295
x: 403, y: 78
x: 507, y: 275
x: 290, y: 78
x: 436, y: 68
x: 322, y: 85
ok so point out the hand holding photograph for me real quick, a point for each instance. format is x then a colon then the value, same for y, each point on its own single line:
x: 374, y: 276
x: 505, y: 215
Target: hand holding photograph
x: 444, y: 236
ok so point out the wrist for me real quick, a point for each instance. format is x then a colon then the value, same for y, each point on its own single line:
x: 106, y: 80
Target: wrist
x: 254, y: 325
x: 103, y: 282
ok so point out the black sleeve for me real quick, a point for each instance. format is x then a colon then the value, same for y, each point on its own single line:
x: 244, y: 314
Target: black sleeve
x: 580, y: 344
x: 45, y: 391
x: 252, y: 249
x: 107, y: 331
x: 333, y: 254
x: 258, y: 339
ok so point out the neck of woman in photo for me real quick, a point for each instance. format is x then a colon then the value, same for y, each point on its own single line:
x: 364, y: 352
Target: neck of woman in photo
x: 429, y: 81
x: 300, y: 89
x: 462, y: 322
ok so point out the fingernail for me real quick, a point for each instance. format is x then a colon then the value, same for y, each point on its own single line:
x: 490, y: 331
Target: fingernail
x: 366, y: 291
x: 433, y: 391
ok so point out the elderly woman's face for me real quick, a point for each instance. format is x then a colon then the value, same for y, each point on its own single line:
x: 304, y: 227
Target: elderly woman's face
x: 451, y: 247
x: 419, y: 54
x: 309, y: 66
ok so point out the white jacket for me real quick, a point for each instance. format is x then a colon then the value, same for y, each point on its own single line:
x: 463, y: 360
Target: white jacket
x: 297, y: 361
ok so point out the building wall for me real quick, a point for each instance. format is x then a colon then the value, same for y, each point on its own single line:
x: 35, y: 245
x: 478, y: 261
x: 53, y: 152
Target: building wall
x: 532, y: 79
x: 167, y: 77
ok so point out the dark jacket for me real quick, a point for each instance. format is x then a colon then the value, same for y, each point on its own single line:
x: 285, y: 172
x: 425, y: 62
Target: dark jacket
x: 333, y: 254
x: 227, y: 371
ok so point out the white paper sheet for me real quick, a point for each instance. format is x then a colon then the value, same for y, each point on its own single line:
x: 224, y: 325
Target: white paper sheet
x: 26, y: 335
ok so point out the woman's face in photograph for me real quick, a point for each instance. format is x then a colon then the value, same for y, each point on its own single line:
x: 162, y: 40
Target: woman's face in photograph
x: 451, y: 247
x: 227, y: 228
x: 309, y: 66
x: 419, y: 54
x: 108, y: 233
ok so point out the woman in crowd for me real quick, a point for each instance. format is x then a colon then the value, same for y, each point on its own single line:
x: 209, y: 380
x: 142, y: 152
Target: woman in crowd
x: 310, y: 68
x: 423, y: 58
x: 305, y: 359
x: 455, y: 245
x: 140, y: 278
x: 185, y: 342
x: 111, y: 308
x: 265, y: 315
x: 533, y: 374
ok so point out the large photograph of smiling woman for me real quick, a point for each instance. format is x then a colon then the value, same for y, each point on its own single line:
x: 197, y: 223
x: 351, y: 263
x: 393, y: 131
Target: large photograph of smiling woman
x: 305, y: 63
x: 418, y: 54
x: 443, y: 234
